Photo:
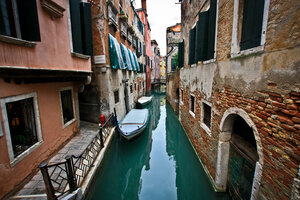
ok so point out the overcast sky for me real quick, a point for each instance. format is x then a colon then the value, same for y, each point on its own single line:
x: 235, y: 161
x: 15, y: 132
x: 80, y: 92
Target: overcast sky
x: 161, y: 14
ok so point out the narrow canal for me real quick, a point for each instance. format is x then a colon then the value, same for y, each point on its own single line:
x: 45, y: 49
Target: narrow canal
x: 160, y: 164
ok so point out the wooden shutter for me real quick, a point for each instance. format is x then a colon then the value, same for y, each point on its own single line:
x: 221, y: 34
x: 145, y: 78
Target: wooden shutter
x: 202, y: 36
x: 76, y: 26
x: 212, y: 29
x: 192, y: 46
x: 252, y: 23
x: 86, y: 23
x: 181, y: 54
x: 29, y: 20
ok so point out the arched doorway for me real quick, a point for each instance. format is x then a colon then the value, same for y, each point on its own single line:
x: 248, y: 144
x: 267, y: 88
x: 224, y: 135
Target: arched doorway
x: 240, y: 158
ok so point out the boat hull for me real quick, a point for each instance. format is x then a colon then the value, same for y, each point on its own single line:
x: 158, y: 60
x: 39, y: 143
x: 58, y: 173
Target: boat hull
x: 134, y: 123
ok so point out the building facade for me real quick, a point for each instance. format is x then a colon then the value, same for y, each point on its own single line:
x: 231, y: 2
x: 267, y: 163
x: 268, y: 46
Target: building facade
x: 155, y: 62
x: 41, y: 73
x: 118, y: 65
x: 173, y: 36
x: 239, y: 94
x: 147, y: 52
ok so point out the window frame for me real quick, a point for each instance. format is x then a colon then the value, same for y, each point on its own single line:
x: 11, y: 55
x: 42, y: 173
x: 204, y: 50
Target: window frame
x: 181, y: 96
x: 235, y: 44
x: 202, y: 124
x: 14, y: 160
x: 190, y: 105
x: 116, y: 90
x: 64, y: 125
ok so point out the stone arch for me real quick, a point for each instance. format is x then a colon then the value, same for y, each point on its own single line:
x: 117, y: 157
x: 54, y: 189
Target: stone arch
x: 226, y: 130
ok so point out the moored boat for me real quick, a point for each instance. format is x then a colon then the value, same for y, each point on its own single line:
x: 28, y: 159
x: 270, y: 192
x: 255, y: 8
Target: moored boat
x: 134, y: 123
x: 144, y: 100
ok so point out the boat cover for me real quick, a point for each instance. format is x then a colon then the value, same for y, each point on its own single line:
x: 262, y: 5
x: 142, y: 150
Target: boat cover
x: 135, y: 119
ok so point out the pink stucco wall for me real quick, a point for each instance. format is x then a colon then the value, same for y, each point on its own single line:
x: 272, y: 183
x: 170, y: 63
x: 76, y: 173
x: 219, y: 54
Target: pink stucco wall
x: 54, y: 50
x: 53, y: 133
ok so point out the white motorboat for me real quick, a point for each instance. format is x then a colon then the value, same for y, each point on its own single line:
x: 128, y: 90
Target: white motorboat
x: 134, y: 123
x: 144, y: 100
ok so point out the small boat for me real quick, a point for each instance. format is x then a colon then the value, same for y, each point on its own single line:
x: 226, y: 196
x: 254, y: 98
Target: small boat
x: 144, y: 100
x: 134, y: 123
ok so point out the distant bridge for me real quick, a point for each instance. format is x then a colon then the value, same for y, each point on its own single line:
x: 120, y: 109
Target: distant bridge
x: 158, y: 81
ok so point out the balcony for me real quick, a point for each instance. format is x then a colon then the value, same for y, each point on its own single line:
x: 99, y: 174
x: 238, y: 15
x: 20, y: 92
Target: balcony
x: 129, y: 38
x: 124, y: 29
x: 112, y: 13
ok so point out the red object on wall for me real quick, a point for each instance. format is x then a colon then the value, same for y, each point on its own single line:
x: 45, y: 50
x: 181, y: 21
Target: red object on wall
x: 102, y: 119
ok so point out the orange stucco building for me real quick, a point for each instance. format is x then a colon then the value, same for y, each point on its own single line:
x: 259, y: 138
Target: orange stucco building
x: 41, y: 71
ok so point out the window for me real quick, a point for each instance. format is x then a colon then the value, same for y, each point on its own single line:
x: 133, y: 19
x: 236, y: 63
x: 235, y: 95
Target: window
x: 192, y: 46
x: 81, y: 26
x: 181, y: 54
x: 192, y: 105
x: 19, y: 19
x: 181, y: 96
x: 207, y: 115
x: 131, y: 89
x: 143, y: 84
x: 135, y: 86
x: 249, y: 25
x: 116, y: 96
x: 22, y: 125
x: 203, y: 36
x: 67, y: 106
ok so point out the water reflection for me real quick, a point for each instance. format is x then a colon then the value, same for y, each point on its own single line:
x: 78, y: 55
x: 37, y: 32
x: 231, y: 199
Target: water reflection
x: 160, y: 164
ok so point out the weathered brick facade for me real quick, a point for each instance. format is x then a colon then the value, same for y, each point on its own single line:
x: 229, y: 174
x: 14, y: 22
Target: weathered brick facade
x: 260, y: 85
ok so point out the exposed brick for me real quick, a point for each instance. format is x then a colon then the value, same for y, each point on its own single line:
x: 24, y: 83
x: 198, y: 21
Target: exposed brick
x: 272, y: 124
x: 296, y: 119
x: 287, y: 127
x: 297, y: 126
x: 285, y: 120
x: 291, y: 107
x: 262, y: 116
x: 288, y: 101
x: 273, y: 94
x: 262, y: 104
x: 289, y: 112
x: 281, y: 105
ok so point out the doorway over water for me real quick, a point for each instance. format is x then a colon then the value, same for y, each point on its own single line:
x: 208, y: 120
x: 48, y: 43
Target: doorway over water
x: 242, y: 159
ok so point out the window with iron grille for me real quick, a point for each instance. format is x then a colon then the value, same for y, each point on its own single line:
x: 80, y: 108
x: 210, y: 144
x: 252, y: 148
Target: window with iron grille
x: 116, y: 96
x: 207, y: 115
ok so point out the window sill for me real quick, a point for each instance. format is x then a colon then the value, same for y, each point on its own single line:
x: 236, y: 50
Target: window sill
x: 209, y: 61
x: 247, y: 52
x: 79, y: 55
x: 205, y: 128
x: 17, y: 41
x: 194, y: 65
x: 193, y: 114
x: 69, y: 122
x: 25, y: 153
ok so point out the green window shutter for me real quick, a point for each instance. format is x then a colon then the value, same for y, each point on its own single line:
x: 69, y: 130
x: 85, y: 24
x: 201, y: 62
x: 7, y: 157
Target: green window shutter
x: 212, y: 29
x: 202, y: 36
x: 192, y: 38
x: 86, y: 23
x: 181, y: 54
x: 4, y: 19
x: 252, y: 23
x: 29, y: 20
x: 76, y: 26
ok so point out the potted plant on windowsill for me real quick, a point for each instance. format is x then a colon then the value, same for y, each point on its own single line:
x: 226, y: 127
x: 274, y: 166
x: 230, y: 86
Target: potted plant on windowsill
x: 123, y: 16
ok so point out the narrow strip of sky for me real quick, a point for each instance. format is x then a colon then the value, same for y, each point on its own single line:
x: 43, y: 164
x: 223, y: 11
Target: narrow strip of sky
x: 161, y: 14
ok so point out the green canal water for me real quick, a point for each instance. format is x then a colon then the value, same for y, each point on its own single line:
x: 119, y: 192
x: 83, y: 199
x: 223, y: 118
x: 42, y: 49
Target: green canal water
x: 158, y: 165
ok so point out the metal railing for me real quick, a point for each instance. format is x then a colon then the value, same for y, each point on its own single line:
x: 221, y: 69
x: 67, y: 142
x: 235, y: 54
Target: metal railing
x: 67, y: 176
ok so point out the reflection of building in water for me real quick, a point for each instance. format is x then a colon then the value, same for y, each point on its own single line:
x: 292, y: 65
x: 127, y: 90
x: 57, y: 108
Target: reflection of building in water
x: 156, y: 110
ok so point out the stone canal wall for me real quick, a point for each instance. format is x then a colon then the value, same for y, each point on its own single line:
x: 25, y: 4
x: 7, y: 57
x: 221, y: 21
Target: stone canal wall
x: 249, y: 100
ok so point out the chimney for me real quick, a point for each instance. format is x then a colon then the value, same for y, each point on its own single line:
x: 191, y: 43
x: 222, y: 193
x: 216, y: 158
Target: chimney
x: 144, y: 5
